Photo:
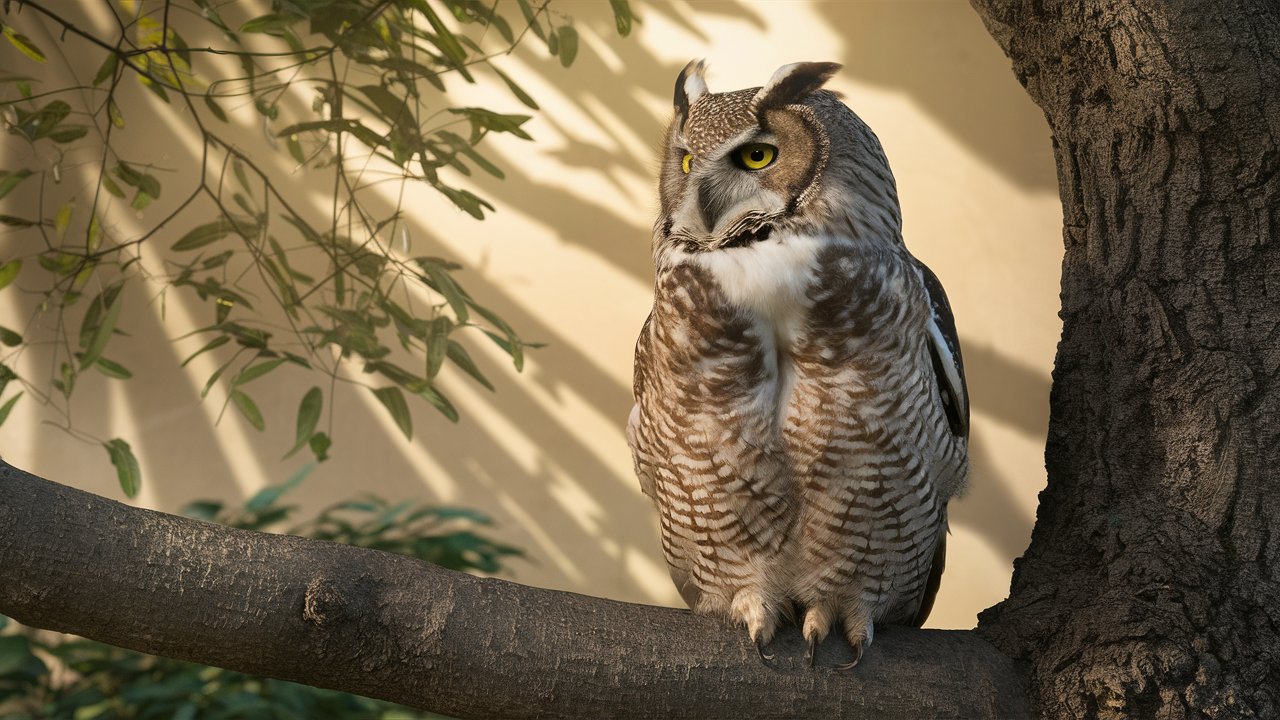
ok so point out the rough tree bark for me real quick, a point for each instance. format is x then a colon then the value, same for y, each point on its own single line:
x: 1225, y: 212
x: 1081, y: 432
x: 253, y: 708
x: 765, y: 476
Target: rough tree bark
x: 394, y: 628
x: 1150, y: 587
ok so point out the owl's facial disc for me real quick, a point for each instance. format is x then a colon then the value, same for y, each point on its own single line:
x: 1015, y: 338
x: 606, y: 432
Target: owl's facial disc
x: 728, y: 199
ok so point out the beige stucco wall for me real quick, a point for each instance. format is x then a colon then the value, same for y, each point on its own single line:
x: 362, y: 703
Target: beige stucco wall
x: 565, y: 259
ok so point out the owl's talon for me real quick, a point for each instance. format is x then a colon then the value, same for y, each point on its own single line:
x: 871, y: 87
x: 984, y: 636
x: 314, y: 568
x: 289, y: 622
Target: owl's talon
x: 857, y: 657
x: 767, y: 657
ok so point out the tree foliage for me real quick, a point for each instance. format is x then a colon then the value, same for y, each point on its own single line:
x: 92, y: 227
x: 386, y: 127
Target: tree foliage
x: 354, y: 90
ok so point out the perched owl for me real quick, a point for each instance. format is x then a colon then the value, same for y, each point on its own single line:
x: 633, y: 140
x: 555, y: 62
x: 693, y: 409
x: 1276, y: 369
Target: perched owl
x: 801, y: 415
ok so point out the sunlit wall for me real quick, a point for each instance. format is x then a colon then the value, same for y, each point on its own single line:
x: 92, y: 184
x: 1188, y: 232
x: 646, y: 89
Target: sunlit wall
x: 566, y: 260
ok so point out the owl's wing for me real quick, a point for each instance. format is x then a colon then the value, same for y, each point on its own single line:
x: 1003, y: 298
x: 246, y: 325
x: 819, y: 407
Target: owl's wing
x: 944, y: 348
x: 939, y: 563
x: 634, y: 438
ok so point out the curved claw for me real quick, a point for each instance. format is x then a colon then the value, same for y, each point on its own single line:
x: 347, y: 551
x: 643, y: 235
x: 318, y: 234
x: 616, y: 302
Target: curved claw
x: 810, y: 651
x: 857, y: 657
x: 767, y: 657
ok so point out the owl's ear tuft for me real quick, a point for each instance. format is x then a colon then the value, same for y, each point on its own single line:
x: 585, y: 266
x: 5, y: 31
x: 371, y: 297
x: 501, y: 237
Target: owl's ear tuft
x: 792, y: 83
x: 690, y: 85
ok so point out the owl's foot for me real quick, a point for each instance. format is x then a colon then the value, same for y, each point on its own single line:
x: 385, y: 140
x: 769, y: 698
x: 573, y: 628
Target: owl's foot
x: 860, y: 631
x: 759, y: 614
x: 817, y: 623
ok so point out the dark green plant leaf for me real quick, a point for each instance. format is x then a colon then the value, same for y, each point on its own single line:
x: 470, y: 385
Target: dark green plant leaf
x: 516, y: 90
x: 308, y: 418
x: 107, y: 69
x: 102, y: 333
x: 437, y: 344
x: 267, y: 496
x: 271, y: 24
x: 7, y: 407
x: 203, y: 510
x: 568, y: 45
x: 460, y: 357
x: 253, y: 372
x: 249, y: 409
x: 11, y: 180
x: 214, y: 343
x: 112, y: 369
x: 622, y: 16
x: 487, y: 120
x: 393, y: 400
x: 126, y: 466
x: 320, y: 444
x: 214, y: 107
x: 9, y: 337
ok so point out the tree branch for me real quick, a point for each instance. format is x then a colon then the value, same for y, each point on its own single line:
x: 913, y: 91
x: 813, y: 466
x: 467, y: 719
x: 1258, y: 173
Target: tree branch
x: 394, y: 628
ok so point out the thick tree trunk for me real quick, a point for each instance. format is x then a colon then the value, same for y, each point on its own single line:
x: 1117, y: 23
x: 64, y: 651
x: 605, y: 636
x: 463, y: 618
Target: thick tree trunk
x: 1150, y: 587
x: 394, y: 628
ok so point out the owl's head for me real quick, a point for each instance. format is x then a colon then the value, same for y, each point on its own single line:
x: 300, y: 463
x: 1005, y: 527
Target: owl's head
x: 742, y: 166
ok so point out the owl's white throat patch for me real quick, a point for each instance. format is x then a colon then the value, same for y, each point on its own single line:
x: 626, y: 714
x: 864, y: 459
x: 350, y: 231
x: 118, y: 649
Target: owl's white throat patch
x: 770, y: 279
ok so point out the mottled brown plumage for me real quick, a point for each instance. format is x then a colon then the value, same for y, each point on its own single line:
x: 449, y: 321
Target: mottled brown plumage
x: 801, y: 418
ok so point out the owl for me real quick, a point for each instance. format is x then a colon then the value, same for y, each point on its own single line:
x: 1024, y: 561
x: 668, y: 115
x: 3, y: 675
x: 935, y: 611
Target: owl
x: 801, y: 415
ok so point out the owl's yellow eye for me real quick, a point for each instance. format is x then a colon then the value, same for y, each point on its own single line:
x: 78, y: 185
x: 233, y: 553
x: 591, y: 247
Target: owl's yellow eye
x: 755, y: 156
x: 686, y: 164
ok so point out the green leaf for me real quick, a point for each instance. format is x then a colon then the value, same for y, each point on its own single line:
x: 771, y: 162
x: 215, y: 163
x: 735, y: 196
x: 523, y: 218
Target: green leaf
x: 203, y: 510
x: 8, y: 272
x: 24, y: 44
x: 214, y: 377
x: 253, y: 372
x: 267, y: 496
x: 320, y: 444
x: 308, y: 418
x: 445, y: 39
x: 462, y: 359
x: 212, y: 232
x: 516, y: 90
x: 441, y: 403
x: 126, y: 466
x: 437, y: 344
x: 271, y: 24
x: 215, y: 108
x: 8, y: 406
x: 9, y: 337
x: 102, y: 334
x: 10, y: 180
x: 249, y: 409
x: 62, y: 220
x: 112, y: 187
x: 112, y: 369
x: 443, y: 283
x: 214, y: 343
x: 466, y: 201
x: 568, y: 45
x: 154, y: 87
x: 113, y: 112
x: 531, y: 19
x: 295, y: 150
x: 107, y: 69
x: 482, y: 119
x: 71, y: 133
x: 623, y: 16
x: 393, y: 400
